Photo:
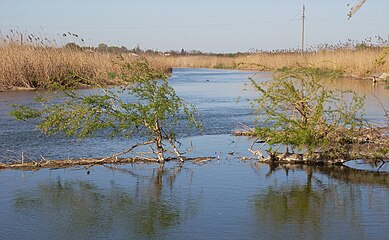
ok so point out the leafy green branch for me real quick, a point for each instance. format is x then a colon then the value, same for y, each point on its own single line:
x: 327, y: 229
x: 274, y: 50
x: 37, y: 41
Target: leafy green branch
x: 145, y: 105
x: 296, y: 110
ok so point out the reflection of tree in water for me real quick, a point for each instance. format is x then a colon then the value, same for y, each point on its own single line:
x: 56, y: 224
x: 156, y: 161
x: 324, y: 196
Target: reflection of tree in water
x: 341, y: 173
x: 313, y: 209
x: 355, y: 176
x: 81, y: 209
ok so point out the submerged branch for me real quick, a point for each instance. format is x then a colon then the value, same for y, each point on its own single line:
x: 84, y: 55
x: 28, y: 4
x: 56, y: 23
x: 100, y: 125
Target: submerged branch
x: 129, y: 150
x: 258, y: 151
x: 89, y: 162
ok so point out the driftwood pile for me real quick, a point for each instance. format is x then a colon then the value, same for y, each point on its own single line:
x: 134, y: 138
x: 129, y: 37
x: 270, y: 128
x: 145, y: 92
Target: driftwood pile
x: 369, y: 144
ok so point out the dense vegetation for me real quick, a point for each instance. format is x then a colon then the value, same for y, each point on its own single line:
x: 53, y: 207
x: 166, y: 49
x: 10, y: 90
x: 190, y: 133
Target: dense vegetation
x: 35, y: 65
x: 297, y: 110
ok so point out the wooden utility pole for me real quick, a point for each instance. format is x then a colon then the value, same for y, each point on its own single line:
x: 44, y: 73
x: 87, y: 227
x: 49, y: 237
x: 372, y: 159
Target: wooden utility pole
x: 303, y: 31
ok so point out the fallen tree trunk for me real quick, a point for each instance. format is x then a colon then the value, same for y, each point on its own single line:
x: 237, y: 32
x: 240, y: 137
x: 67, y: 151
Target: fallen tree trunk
x: 89, y: 162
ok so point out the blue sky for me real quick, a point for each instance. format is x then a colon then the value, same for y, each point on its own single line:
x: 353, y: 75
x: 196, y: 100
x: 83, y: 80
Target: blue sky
x: 206, y: 25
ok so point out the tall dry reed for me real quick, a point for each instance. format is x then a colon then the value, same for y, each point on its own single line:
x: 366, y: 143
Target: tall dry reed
x: 34, y: 66
x: 357, y: 63
x: 38, y: 67
x: 193, y: 61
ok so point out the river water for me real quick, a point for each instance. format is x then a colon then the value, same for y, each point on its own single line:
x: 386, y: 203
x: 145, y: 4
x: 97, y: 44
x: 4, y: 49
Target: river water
x: 223, y: 199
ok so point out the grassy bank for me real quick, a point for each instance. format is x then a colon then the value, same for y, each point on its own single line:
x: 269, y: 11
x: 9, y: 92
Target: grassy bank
x: 356, y: 63
x: 32, y: 66
x: 26, y: 66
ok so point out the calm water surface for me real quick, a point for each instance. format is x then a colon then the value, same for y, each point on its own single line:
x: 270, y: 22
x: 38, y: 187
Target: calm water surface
x: 222, y: 199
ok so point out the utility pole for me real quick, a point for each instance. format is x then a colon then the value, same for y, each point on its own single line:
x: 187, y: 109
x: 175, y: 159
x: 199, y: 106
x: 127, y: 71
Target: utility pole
x: 303, y: 31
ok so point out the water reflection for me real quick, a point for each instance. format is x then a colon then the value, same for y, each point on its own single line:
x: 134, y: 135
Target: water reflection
x: 81, y: 210
x: 317, y: 208
x: 223, y: 199
x: 355, y: 176
x: 340, y: 173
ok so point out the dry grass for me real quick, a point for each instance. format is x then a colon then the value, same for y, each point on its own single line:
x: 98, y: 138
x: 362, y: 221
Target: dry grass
x: 351, y: 62
x: 32, y: 66
x: 355, y: 63
x: 193, y: 61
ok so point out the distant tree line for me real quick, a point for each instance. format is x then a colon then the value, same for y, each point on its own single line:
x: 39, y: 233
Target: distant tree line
x: 104, y: 48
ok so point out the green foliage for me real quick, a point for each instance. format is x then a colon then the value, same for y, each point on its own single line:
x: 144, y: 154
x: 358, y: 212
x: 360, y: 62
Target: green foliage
x: 297, y: 110
x: 112, y: 75
x: 146, y: 105
x: 23, y: 113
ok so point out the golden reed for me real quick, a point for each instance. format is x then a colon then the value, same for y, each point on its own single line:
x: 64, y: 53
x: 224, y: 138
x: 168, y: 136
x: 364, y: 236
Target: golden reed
x: 356, y: 63
x: 32, y: 66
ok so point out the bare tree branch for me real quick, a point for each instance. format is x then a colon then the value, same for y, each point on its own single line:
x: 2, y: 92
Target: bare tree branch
x: 258, y: 151
x: 128, y: 150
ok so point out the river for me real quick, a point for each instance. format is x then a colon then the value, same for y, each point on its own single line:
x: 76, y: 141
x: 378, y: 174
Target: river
x: 223, y: 199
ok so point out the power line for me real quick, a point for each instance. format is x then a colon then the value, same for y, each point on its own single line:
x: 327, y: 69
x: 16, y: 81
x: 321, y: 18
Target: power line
x: 348, y: 22
x: 160, y: 26
x: 151, y: 18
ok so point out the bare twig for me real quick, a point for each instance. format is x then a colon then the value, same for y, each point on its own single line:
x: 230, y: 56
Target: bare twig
x: 382, y: 105
x: 258, y: 151
x: 128, y: 150
x: 382, y: 164
x: 178, y: 154
x: 281, y: 157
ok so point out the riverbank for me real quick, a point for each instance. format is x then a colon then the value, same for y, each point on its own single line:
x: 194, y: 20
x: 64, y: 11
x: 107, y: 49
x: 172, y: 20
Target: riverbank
x: 29, y: 67
x: 352, y: 63
x: 39, y: 67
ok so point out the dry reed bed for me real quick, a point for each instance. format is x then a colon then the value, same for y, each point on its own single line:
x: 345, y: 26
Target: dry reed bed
x: 193, y: 61
x: 29, y: 66
x: 354, y: 63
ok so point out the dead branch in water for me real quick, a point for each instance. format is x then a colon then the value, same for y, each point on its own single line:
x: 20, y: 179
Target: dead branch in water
x: 258, y: 151
x: 89, y: 162
x: 129, y: 150
x: 243, y: 130
x: 369, y: 144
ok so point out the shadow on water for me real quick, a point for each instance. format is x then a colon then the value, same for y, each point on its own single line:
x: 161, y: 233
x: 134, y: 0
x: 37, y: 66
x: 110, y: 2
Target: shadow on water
x: 82, y: 210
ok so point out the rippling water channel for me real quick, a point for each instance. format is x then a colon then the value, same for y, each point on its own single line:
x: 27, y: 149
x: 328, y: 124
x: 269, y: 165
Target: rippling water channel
x: 223, y: 199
